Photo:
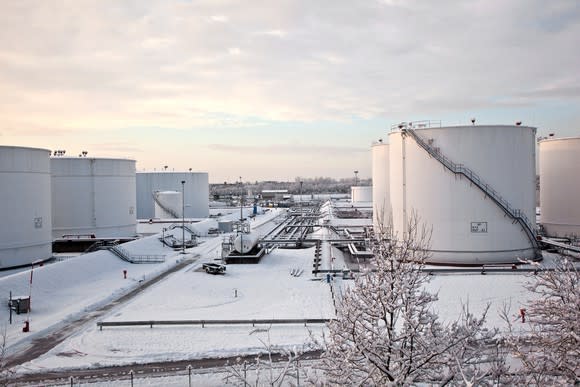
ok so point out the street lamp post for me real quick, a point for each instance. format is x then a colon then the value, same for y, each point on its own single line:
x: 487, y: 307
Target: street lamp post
x: 182, y: 216
x: 241, y: 228
x: 301, y: 214
x: 241, y: 200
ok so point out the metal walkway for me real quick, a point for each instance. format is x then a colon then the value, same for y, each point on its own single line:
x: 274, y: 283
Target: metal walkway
x: 460, y: 169
x: 565, y: 246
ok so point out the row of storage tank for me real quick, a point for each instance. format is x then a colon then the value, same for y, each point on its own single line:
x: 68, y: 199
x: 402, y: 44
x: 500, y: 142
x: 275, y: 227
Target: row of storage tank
x: 474, y: 187
x: 45, y: 198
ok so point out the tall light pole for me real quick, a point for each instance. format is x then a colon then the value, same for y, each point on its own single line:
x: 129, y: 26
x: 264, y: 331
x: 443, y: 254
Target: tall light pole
x: 241, y: 200
x: 301, y: 214
x: 241, y: 228
x: 182, y: 216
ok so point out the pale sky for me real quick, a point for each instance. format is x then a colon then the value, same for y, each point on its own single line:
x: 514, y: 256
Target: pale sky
x: 277, y: 89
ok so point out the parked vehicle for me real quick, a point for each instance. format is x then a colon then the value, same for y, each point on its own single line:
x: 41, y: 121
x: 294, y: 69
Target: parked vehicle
x: 214, y: 268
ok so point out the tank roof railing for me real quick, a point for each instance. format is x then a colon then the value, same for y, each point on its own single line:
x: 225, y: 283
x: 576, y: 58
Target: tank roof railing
x: 422, y: 124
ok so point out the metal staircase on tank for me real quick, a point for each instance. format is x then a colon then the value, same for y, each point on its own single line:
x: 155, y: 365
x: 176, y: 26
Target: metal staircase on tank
x: 460, y: 169
x: 169, y: 210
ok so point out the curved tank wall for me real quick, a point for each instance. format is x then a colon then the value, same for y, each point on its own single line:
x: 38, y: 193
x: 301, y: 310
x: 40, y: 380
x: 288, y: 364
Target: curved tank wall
x: 468, y: 227
x: 361, y: 194
x: 168, y: 204
x: 196, y: 192
x: 25, y: 230
x: 93, y: 196
x: 560, y: 186
x: 244, y: 243
x: 381, y: 199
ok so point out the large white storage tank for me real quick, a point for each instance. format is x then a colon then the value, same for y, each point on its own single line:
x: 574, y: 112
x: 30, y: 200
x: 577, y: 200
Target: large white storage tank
x: 93, y: 196
x: 196, y: 192
x: 381, y: 197
x: 560, y: 186
x: 168, y: 204
x: 469, y: 226
x: 361, y: 194
x: 25, y: 230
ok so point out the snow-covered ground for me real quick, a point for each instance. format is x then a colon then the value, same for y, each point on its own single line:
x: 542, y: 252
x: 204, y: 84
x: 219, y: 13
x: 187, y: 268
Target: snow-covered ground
x: 65, y: 290
x: 262, y: 291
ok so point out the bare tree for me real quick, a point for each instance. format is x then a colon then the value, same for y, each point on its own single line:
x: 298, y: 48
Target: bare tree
x: 548, y: 345
x: 386, y: 332
x: 274, y: 367
x: 5, y: 372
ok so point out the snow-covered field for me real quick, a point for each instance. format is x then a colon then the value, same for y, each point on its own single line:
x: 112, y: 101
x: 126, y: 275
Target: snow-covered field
x: 263, y: 291
x: 65, y: 290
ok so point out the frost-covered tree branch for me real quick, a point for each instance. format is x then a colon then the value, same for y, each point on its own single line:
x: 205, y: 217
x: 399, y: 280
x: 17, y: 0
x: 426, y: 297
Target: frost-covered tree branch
x: 548, y: 345
x: 386, y: 332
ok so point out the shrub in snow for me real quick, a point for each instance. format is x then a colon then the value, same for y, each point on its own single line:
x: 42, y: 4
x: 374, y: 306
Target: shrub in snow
x: 548, y: 345
x: 386, y: 332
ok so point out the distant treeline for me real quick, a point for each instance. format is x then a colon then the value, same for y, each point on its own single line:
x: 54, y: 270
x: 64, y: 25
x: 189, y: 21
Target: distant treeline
x: 309, y: 186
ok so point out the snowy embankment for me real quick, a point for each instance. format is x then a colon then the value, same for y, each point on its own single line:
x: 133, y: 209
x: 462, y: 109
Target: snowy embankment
x: 62, y: 291
x: 263, y: 291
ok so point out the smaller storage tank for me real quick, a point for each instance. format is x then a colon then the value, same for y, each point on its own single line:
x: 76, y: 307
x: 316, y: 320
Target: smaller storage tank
x: 93, y: 196
x: 244, y: 243
x: 361, y: 194
x: 25, y: 229
x: 560, y: 186
x: 168, y: 204
x: 196, y: 188
x: 381, y: 200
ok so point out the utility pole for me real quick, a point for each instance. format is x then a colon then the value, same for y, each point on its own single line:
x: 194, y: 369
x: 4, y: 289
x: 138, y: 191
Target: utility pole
x: 301, y: 182
x: 182, y: 216
x: 241, y: 228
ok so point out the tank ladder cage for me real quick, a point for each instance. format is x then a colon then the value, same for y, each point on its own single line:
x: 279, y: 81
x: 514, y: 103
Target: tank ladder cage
x: 416, y: 125
x: 169, y: 210
x: 513, y: 213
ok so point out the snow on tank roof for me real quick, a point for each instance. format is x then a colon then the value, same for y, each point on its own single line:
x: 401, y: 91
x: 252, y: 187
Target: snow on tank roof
x: 23, y: 148
x: 89, y: 158
x: 435, y: 125
x: 548, y: 139
x: 170, y: 172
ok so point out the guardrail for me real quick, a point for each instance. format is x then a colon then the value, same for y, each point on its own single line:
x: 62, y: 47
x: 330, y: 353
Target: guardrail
x: 203, y: 323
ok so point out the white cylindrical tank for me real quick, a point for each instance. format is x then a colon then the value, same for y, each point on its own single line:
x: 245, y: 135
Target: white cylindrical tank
x: 168, y: 204
x: 361, y: 194
x: 25, y: 229
x: 560, y: 186
x: 93, y: 196
x: 244, y: 243
x: 196, y: 192
x: 468, y: 227
x: 381, y: 197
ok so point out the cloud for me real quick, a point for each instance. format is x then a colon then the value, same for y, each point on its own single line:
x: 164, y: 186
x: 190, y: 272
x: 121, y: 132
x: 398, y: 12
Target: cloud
x: 336, y: 59
x: 100, y: 65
